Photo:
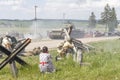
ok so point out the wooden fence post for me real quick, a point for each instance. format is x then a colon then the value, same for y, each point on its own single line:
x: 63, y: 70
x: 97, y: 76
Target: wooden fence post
x: 13, y: 68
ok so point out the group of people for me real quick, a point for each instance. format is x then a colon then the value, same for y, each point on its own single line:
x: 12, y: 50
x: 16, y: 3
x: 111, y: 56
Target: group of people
x: 45, y: 58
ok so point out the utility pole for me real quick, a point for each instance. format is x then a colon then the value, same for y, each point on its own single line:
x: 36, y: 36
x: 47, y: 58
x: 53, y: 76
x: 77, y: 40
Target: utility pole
x: 35, y: 22
x: 64, y: 17
x: 35, y: 12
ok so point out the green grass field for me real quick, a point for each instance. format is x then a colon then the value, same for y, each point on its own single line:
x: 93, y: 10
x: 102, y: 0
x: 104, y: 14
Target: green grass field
x: 104, y: 64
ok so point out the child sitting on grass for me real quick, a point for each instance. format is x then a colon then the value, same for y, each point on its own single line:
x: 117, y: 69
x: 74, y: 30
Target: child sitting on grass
x: 45, y: 59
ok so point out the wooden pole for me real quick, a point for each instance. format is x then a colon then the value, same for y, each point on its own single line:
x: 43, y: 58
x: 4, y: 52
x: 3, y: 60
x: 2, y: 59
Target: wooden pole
x: 13, y: 68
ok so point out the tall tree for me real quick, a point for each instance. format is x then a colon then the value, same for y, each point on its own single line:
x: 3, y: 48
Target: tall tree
x: 109, y: 18
x: 114, y: 21
x: 92, y: 20
x: 106, y: 16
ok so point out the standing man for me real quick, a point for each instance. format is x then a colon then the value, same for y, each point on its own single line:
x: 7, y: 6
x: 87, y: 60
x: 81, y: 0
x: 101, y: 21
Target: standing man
x: 45, y: 58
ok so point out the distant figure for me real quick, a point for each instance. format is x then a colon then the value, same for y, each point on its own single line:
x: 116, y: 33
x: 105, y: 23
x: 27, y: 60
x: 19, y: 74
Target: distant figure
x: 65, y: 48
x: 7, y: 43
x: 35, y: 51
x: 60, y: 50
x: 45, y: 64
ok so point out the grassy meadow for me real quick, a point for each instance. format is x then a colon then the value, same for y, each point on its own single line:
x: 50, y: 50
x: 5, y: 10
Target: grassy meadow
x: 103, y: 64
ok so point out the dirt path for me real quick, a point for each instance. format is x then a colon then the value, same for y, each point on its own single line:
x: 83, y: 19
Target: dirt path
x: 54, y: 43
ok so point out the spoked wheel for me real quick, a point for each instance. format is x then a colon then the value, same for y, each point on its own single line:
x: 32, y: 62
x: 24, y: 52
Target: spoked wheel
x: 79, y: 56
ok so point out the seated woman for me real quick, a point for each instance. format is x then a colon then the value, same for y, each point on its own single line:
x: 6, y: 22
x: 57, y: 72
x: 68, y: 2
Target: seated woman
x: 45, y: 58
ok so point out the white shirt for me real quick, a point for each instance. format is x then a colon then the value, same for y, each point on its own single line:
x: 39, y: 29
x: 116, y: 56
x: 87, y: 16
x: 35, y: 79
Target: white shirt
x: 44, y: 57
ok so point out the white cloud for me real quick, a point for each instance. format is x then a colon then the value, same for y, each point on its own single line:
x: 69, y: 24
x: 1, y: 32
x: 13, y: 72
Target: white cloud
x: 10, y: 2
x: 100, y: 3
x: 77, y: 7
x: 55, y: 8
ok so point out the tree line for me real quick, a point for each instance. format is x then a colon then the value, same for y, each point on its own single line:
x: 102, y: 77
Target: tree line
x: 108, y: 18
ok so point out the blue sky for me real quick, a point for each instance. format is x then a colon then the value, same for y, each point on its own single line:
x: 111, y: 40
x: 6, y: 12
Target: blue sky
x: 54, y: 9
